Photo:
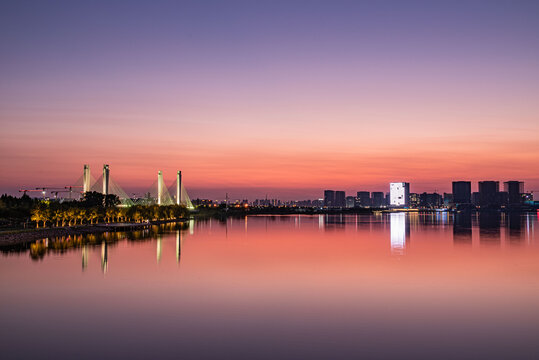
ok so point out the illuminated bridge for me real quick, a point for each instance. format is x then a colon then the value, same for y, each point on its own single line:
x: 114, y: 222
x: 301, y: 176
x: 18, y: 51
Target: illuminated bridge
x: 158, y: 193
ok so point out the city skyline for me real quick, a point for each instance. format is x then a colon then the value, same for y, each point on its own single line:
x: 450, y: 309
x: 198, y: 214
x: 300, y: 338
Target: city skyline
x: 400, y: 192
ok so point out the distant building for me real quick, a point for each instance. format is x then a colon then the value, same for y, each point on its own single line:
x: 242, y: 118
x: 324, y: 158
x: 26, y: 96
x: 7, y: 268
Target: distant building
x: 329, y: 198
x: 448, y: 199
x: 488, y: 193
x: 414, y: 200
x: 350, y: 202
x: 340, y: 199
x: 475, y: 198
x: 364, y: 198
x: 430, y: 201
x: 399, y: 194
x: 377, y: 199
x: 514, y: 190
x: 462, y: 192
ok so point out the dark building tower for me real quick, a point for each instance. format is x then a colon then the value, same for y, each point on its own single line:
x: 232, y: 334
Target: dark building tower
x: 514, y: 190
x: 488, y: 194
x: 329, y: 198
x: 378, y: 199
x: 462, y: 192
x: 433, y: 200
x: 340, y: 199
x: 364, y: 198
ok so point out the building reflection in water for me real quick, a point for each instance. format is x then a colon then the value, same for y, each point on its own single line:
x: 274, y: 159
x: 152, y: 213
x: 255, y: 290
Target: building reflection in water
x: 397, y: 223
x: 489, y: 227
x: 514, y: 228
x: 462, y: 228
x: 104, y: 257
x: 334, y: 221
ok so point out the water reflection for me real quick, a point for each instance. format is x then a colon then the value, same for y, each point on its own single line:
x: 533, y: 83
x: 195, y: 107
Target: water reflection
x: 332, y: 222
x: 514, y: 228
x: 178, y: 246
x: 398, y: 232
x: 279, y: 289
x: 85, y: 256
x: 462, y: 228
x: 104, y: 257
x: 159, y: 240
x: 489, y: 227
x: 518, y: 229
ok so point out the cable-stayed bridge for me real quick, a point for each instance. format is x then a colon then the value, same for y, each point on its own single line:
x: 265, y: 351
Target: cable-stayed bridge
x: 158, y: 193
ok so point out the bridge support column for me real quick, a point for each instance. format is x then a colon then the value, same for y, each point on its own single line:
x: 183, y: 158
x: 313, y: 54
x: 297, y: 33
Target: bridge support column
x: 178, y: 187
x: 86, y: 179
x: 106, y: 172
x: 159, y: 187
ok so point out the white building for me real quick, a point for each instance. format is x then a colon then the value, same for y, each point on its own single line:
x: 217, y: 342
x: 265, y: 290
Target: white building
x: 399, y: 194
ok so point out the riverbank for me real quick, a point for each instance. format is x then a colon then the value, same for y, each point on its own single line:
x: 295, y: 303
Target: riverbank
x: 24, y: 236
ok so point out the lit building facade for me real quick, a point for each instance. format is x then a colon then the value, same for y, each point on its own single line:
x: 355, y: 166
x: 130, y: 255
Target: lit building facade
x: 399, y: 194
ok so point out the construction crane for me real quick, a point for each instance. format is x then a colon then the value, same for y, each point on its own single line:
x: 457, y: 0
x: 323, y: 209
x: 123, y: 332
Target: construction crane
x: 24, y: 191
x: 70, y: 189
x: 43, y: 190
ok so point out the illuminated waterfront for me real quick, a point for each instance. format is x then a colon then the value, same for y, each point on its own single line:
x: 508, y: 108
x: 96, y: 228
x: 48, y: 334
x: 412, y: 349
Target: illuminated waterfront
x: 423, y: 285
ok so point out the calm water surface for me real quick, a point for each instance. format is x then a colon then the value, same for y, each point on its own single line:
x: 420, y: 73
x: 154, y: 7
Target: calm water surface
x: 404, y: 286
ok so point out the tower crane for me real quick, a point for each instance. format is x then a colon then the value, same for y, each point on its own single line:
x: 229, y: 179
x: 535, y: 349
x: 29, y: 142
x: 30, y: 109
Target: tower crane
x: 70, y: 188
x: 43, y: 190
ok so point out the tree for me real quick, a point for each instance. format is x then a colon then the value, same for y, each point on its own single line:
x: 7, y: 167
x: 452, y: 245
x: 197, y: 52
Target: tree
x: 93, y: 215
x: 93, y: 199
x: 110, y: 213
x: 57, y: 216
x: 81, y: 215
x: 71, y: 214
x: 111, y: 200
x: 37, y: 216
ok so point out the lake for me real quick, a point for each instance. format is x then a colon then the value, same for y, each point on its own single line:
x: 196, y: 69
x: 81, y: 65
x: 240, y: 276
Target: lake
x: 407, y: 286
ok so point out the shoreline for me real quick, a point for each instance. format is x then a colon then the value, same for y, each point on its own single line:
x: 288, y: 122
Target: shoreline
x: 25, y: 236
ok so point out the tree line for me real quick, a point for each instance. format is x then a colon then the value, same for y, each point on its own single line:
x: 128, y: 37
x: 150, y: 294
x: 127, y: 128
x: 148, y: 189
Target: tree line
x: 93, y: 208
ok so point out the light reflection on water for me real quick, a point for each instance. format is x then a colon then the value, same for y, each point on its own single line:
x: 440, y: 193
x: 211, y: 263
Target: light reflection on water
x: 438, y: 285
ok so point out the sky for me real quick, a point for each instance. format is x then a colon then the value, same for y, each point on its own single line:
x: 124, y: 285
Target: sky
x: 284, y: 98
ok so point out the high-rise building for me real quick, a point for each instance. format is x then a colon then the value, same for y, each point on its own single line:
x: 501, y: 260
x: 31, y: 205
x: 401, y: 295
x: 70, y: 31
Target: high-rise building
x: 399, y: 194
x: 448, y: 198
x: 514, y: 190
x: 350, y: 202
x: 414, y: 200
x: 364, y: 198
x: 378, y: 199
x: 340, y: 199
x: 329, y: 198
x: 475, y: 198
x: 488, y: 193
x: 462, y: 192
x: 427, y: 200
